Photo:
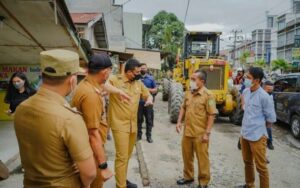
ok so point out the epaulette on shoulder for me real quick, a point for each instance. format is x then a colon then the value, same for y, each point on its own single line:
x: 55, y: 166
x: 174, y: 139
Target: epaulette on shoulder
x: 74, y: 109
x: 208, y: 92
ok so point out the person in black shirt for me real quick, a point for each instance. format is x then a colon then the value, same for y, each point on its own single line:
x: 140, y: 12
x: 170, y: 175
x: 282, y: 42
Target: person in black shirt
x: 18, y: 90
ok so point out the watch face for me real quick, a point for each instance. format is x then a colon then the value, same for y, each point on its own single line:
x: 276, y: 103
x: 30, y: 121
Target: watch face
x: 103, y: 165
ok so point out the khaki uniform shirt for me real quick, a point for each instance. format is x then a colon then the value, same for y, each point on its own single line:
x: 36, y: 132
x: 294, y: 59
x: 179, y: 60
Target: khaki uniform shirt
x: 89, y: 101
x: 122, y: 116
x: 198, y: 107
x: 51, y: 137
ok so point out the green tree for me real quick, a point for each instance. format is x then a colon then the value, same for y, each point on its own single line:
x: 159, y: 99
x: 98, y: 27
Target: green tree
x: 165, y: 33
x: 280, y: 64
x: 244, y: 56
x: 260, y: 63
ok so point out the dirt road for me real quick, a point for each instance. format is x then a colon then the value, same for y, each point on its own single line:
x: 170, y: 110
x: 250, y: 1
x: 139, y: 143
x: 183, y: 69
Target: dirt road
x: 164, y: 161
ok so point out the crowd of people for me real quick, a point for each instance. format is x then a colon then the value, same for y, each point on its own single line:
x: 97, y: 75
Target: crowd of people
x: 62, y: 144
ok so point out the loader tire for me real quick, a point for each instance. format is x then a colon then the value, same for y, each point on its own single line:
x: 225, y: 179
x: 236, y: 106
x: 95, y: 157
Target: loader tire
x: 175, y: 101
x: 166, y: 88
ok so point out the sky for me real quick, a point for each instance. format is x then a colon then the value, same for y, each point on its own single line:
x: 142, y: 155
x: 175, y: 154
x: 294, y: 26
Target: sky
x: 214, y: 15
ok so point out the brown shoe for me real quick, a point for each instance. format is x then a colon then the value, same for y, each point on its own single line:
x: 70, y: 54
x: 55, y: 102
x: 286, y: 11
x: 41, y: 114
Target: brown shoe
x: 4, y: 172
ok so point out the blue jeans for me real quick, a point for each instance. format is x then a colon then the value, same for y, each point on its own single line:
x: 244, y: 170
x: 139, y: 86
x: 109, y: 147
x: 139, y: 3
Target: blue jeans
x: 269, y: 130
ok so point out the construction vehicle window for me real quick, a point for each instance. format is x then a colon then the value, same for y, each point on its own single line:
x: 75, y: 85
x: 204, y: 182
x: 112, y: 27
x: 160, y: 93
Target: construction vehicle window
x: 200, y: 47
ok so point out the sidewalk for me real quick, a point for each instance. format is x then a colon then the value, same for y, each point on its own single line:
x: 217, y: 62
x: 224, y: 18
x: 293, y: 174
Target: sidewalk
x: 9, y: 150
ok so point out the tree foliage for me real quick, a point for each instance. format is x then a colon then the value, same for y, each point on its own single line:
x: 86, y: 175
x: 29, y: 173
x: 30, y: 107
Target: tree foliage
x: 166, y: 34
x: 244, y: 56
x: 260, y: 63
x: 280, y: 64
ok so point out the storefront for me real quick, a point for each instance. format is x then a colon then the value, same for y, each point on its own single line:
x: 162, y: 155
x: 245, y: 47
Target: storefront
x: 28, y: 28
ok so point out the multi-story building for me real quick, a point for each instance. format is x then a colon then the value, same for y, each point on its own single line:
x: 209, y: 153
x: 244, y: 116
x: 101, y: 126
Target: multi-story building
x: 288, y: 29
x: 259, y: 47
x: 271, y: 24
x: 234, y: 56
x: 261, y: 44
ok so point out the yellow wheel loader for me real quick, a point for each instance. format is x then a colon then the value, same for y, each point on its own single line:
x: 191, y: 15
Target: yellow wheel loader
x: 201, y: 51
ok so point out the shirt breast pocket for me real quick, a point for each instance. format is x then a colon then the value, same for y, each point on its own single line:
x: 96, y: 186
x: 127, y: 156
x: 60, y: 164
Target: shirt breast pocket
x: 255, y: 107
x: 199, y: 107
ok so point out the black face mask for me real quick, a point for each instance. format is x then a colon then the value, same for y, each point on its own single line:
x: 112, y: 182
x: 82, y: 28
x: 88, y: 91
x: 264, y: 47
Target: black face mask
x: 143, y: 72
x: 137, y: 77
x: 270, y: 93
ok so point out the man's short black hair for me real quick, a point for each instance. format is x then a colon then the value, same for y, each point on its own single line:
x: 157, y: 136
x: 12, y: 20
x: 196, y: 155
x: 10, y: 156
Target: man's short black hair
x: 268, y: 83
x: 256, y: 73
x: 142, y: 64
x: 131, y: 64
x: 202, y: 75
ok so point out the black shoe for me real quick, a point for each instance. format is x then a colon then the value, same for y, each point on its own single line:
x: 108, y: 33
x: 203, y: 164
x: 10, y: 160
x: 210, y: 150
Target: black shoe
x: 239, y: 145
x: 130, y: 185
x: 108, y: 137
x: 139, y: 138
x: 270, y: 146
x: 202, y: 186
x: 149, y: 139
x: 184, y: 182
x: 241, y: 186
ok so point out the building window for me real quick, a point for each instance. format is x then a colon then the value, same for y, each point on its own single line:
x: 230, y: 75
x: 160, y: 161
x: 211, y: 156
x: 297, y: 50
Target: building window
x: 267, y: 48
x: 290, y: 37
x: 296, y: 7
x: 281, y: 40
x: 260, y: 35
x: 270, y: 22
x: 288, y: 55
x: 259, y: 48
x: 281, y: 25
x: 267, y: 36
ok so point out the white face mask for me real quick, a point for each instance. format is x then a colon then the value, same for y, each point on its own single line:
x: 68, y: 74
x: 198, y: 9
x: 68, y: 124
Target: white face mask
x: 193, y: 85
x: 73, y: 83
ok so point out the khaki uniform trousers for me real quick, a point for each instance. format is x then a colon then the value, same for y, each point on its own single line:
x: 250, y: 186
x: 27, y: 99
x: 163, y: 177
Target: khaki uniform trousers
x: 191, y: 145
x: 124, y: 144
x: 255, y: 151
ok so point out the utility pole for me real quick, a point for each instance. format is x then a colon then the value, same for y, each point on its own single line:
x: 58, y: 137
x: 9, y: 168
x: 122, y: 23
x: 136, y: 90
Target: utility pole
x: 236, y: 39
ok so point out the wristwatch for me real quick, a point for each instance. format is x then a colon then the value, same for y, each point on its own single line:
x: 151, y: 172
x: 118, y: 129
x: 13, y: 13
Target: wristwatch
x: 103, y: 166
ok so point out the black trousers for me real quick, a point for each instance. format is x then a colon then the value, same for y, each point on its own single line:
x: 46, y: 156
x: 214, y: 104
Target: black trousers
x: 148, y: 113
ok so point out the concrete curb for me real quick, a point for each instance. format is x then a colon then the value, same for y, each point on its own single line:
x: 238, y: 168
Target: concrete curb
x: 13, y: 163
x: 142, y: 164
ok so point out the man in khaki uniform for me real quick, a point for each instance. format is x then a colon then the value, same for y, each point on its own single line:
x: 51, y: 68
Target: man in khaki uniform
x: 53, y: 141
x: 199, y: 110
x: 122, y: 117
x: 89, y: 101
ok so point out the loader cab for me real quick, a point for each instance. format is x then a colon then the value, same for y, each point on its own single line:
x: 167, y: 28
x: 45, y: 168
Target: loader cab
x: 202, y: 44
